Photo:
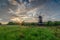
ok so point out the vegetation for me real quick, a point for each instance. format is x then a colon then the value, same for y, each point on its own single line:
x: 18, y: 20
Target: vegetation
x: 30, y: 31
x: 49, y: 23
x: 12, y: 23
x: 17, y: 32
x: 0, y: 23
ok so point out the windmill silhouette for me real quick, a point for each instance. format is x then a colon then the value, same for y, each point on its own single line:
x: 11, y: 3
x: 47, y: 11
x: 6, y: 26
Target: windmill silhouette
x: 40, y: 21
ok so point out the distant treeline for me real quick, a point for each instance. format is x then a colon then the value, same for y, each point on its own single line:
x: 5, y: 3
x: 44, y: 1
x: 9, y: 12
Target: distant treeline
x: 49, y: 23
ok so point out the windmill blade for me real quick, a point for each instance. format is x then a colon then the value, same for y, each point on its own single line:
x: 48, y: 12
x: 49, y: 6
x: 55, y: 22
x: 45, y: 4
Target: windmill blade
x: 11, y: 11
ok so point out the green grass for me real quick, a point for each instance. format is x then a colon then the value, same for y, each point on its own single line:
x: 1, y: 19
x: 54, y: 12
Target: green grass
x: 16, y: 32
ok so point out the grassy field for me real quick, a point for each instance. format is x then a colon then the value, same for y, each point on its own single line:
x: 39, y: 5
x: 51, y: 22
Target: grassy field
x: 16, y: 32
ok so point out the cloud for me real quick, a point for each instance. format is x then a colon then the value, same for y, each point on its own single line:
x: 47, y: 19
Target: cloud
x: 46, y: 7
x: 0, y: 19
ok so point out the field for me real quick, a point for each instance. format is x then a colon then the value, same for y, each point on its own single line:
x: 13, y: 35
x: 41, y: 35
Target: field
x: 17, y: 32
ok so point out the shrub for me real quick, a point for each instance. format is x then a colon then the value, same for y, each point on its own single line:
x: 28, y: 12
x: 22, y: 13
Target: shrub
x: 12, y: 23
x: 49, y: 23
x: 57, y: 23
x: 0, y: 24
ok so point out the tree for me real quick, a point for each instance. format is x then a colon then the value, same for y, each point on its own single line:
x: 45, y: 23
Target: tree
x: 50, y: 23
x: 0, y: 24
x: 12, y: 23
x: 57, y: 23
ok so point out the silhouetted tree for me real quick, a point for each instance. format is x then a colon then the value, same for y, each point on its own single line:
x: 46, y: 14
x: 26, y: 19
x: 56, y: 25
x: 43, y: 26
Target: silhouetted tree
x: 57, y: 23
x: 12, y: 23
x: 0, y: 24
x: 50, y: 23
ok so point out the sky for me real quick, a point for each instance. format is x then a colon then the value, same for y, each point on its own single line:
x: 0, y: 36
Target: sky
x: 29, y: 10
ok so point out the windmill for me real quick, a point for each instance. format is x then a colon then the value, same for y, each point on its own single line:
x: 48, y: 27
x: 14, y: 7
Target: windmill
x: 40, y: 19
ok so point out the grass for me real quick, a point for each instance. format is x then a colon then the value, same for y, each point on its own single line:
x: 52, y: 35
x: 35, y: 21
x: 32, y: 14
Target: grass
x: 17, y: 32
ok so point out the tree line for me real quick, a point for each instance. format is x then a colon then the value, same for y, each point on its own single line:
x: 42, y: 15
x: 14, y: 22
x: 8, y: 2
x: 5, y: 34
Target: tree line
x: 49, y: 23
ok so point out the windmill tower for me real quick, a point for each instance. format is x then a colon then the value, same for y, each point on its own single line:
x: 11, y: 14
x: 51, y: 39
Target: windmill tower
x: 40, y: 19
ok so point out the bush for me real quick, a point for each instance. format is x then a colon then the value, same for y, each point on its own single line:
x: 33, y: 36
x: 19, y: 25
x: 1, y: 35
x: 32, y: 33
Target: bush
x: 50, y: 23
x: 0, y: 24
x: 12, y: 23
x: 30, y: 24
x: 57, y: 23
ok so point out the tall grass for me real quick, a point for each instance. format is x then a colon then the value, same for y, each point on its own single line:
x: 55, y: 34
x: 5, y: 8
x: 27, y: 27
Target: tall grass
x: 11, y: 32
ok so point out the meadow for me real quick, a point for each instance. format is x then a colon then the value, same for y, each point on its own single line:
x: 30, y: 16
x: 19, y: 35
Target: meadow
x: 18, y: 32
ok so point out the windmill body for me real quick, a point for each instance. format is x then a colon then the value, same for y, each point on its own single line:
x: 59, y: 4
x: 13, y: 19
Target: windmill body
x: 40, y: 21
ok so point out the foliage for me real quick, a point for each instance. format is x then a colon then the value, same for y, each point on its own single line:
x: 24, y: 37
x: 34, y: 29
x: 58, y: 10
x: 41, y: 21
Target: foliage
x: 30, y: 24
x: 12, y: 23
x: 16, y: 32
x: 0, y: 24
x: 50, y: 23
x: 57, y: 23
